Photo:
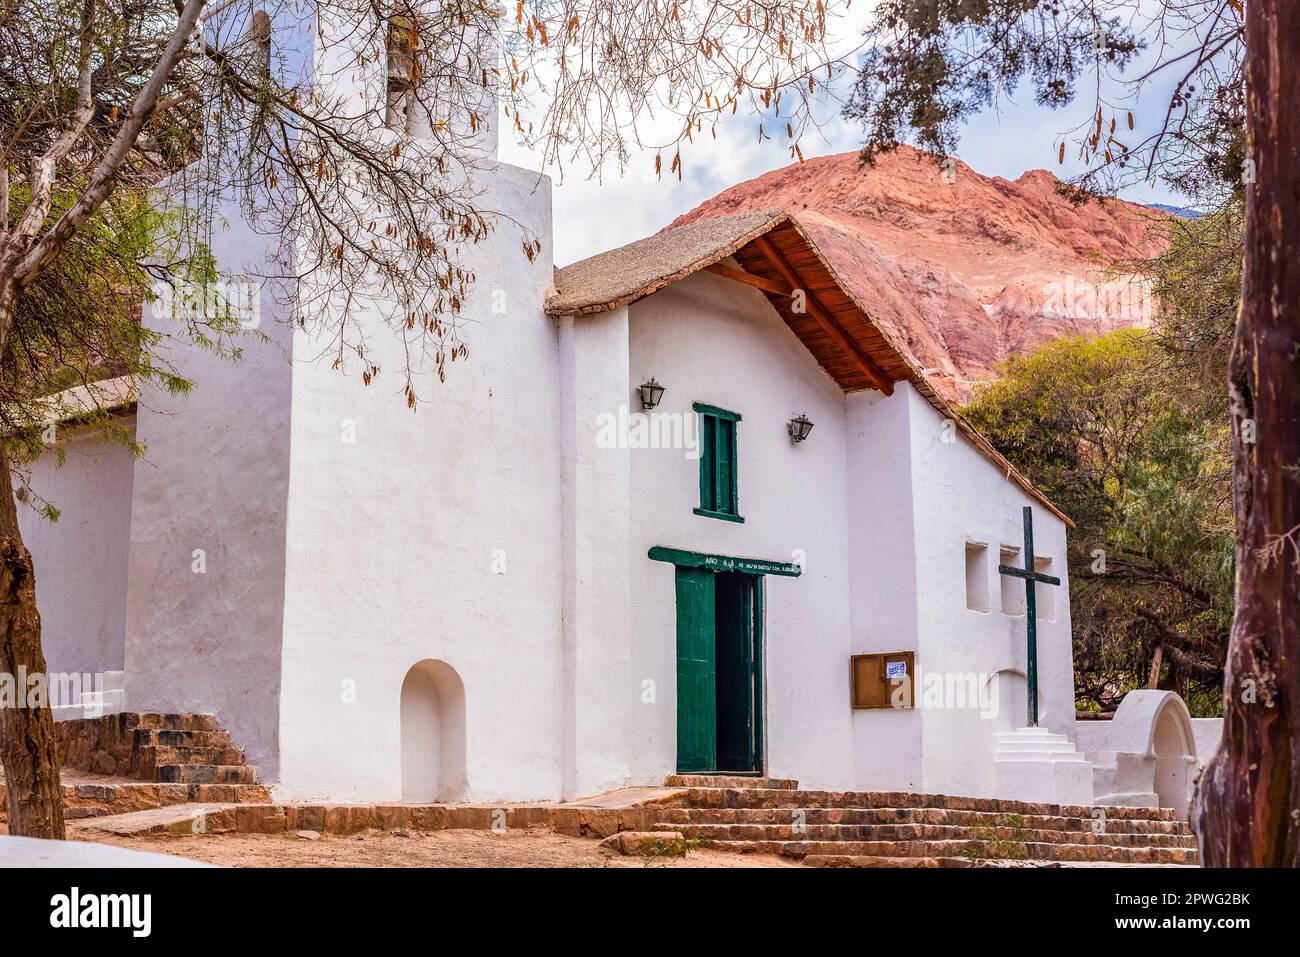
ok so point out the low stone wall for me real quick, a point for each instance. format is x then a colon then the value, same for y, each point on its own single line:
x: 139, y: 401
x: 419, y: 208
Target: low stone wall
x: 343, y: 819
x: 101, y: 745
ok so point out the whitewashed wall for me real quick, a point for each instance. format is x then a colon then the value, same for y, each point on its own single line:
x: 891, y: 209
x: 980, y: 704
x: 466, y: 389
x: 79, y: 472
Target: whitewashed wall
x: 1208, y: 733
x: 212, y: 489
x: 597, y: 555
x: 81, y: 560
x: 395, y: 539
x: 883, y: 579
x: 712, y: 340
x: 959, y: 496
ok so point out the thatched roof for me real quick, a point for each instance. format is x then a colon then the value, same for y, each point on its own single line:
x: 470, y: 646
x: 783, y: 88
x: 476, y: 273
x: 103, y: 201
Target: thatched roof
x: 778, y: 257
x: 615, y: 278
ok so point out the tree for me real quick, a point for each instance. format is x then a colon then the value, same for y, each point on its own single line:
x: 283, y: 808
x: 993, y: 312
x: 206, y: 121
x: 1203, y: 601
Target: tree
x: 1144, y: 472
x: 935, y: 62
x: 1248, y: 803
x: 126, y: 124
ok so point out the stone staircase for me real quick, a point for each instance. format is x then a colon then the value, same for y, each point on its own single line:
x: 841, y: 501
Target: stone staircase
x: 187, y: 749
x: 903, y: 829
x: 134, y: 761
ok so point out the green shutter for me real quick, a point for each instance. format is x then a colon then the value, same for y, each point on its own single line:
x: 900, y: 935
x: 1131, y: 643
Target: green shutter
x: 718, y: 463
x: 708, y: 462
x: 697, y: 744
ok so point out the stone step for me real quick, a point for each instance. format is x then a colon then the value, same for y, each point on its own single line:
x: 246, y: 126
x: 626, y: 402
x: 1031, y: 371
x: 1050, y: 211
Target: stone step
x: 91, y: 800
x: 917, y: 832
x: 728, y: 781
x: 970, y: 849
x: 911, y: 815
x: 150, y: 737
x: 196, y: 817
x: 151, y: 757
x: 772, y: 798
x: 207, y: 774
x: 992, y: 850
x: 864, y: 860
x: 187, y: 721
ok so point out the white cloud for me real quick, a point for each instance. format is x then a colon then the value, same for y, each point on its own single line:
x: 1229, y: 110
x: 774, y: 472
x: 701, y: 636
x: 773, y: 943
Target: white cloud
x: 593, y: 215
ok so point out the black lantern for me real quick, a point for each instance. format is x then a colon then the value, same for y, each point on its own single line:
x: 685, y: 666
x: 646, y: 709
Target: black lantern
x: 799, y: 427
x: 651, y: 392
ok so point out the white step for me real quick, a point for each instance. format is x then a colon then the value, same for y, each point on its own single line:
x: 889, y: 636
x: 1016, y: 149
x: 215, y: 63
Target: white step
x: 1035, y: 764
x: 1035, y: 744
x: 1056, y: 757
x: 68, y: 712
x: 1031, y: 734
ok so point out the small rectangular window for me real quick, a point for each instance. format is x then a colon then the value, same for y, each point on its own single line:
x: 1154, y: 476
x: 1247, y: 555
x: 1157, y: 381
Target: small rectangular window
x: 1044, y: 594
x: 883, y: 680
x: 1013, y: 588
x: 977, y: 576
x: 718, y: 463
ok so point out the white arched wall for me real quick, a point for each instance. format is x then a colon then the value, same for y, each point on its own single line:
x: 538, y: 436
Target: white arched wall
x: 433, y: 733
x: 1174, y: 750
x: 1146, y: 755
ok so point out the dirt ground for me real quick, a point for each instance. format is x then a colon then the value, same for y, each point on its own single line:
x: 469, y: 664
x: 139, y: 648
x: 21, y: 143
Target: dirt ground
x: 533, y: 847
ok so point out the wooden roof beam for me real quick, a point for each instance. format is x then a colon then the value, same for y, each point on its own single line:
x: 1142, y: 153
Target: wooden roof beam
x: 824, y: 319
x: 749, y: 279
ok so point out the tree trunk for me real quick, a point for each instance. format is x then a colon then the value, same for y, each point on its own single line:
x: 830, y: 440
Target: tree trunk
x: 1157, y: 661
x: 26, y: 734
x: 1247, y: 807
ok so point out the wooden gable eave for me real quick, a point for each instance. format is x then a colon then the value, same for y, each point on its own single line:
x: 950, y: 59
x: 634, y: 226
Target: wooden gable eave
x: 762, y: 260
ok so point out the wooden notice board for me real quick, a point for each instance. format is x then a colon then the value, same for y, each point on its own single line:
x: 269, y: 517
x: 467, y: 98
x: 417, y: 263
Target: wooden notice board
x: 884, y: 680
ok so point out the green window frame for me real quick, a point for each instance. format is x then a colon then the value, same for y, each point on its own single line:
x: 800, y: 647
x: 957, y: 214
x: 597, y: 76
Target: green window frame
x: 718, y: 463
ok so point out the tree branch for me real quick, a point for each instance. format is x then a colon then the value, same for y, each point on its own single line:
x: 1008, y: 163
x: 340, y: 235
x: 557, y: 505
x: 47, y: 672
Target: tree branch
x: 103, y: 179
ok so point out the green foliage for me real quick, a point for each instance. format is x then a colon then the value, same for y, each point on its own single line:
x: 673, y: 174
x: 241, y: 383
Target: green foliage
x: 1142, y: 465
x: 936, y: 63
x: 79, y: 323
x: 932, y: 65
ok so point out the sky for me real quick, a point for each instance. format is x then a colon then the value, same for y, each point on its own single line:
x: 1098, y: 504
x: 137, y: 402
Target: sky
x: 593, y: 215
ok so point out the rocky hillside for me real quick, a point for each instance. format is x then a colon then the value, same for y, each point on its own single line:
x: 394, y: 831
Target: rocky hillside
x: 963, y: 269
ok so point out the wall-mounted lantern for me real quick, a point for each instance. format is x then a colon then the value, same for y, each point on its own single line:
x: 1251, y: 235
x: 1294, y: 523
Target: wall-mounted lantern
x: 799, y: 427
x: 651, y: 393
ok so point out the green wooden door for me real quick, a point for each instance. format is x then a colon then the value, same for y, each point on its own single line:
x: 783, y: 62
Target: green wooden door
x: 697, y: 739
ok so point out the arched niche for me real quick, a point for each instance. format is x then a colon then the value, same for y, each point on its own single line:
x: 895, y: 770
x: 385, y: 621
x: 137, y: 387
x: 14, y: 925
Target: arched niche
x: 433, y: 733
x: 1012, y: 689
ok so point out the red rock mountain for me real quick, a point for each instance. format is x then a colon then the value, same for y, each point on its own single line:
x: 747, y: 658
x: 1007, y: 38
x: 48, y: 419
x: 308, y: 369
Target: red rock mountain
x: 963, y: 269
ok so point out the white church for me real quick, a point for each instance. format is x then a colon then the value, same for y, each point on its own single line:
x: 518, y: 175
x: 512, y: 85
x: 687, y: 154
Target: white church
x: 686, y: 509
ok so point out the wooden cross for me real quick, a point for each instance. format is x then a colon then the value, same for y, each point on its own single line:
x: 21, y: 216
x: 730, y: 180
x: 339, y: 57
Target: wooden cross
x: 1031, y: 577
